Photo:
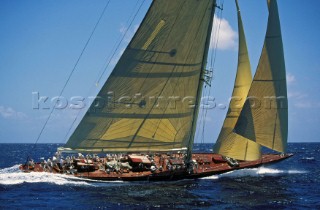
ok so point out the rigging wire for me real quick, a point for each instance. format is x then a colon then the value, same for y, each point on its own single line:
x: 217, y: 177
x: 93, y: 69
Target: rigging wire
x: 114, y: 48
x: 124, y: 35
x: 70, y: 75
x: 129, y: 22
x: 176, y: 83
x: 214, y: 41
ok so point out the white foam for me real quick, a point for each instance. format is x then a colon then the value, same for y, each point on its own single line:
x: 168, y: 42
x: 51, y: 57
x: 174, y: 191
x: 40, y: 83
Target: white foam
x: 308, y: 158
x: 270, y: 171
x: 11, y: 169
x: 266, y: 171
x: 13, y: 176
x: 255, y: 172
x: 297, y: 172
x: 211, y: 177
x: 20, y: 177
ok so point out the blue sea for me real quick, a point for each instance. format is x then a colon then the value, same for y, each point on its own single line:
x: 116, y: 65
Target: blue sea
x: 291, y: 184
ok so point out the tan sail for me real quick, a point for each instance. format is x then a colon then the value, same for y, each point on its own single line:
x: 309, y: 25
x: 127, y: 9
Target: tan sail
x: 264, y: 118
x: 228, y: 143
x: 150, y: 92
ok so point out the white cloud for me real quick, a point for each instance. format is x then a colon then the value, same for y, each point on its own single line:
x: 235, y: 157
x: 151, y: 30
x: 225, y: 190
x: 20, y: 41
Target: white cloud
x: 227, y: 36
x: 208, y: 119
x: 302, y: 100
x: 307, y: 104
x: 116, y: 57
x: 10, y: 113
x: 297, y: 95
x: 128, y: 33
x: 303, y: 105
x: 290, y: 78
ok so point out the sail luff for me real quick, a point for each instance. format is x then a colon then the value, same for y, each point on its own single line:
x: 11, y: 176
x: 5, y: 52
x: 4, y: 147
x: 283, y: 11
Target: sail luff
x: 228, y: 143
x: 264, y: 118
x: 201, y: 83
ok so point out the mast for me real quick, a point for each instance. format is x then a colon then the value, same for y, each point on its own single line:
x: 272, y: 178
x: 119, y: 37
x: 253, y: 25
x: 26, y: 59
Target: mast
x: 201, y: 82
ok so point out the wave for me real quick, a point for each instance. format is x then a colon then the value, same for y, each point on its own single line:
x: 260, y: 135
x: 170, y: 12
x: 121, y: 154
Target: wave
x: 13, y: 176
x: 11, y: 169
x: 271, y: 171
x: 308, y: 159
x: 255, y: 172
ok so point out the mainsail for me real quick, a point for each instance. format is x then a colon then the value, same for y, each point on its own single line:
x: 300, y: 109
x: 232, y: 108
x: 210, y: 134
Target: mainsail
x: 229, y: 143
x: 149, y: 96
x: 264, y: 117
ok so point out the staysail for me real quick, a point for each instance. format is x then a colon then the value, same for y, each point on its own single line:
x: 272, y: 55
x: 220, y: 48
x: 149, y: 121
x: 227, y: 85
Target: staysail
x: 264, y: 117
x: 229, y: 143
x: 147, y: 102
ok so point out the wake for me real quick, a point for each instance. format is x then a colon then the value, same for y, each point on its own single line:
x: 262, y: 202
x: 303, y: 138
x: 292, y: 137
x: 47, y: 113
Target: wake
x: 13, y: 176
x: 255, y: 172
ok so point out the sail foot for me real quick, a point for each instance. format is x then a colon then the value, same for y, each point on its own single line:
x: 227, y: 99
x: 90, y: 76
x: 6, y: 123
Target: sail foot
x: 237, y: 147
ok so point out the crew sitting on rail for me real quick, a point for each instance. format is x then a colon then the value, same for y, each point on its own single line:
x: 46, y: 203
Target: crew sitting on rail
x: 31, y: 164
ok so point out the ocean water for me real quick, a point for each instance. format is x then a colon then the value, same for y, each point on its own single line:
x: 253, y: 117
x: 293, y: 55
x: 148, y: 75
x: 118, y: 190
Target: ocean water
x: 291, y: 184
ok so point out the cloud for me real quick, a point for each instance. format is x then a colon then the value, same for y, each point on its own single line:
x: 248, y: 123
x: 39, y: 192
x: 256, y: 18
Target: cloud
x: 116, y: 57
x: 128, y: 33
x: 227, y: 36
x: 307, y: 104
x: 302, y: 100
x: 10, y: 113
x: 299, y: 99
x: 290, y: 78
x: 208, y: 119
x: 297, y: 95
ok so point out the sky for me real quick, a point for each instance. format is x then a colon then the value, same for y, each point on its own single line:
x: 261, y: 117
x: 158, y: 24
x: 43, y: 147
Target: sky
x: 41, y: 42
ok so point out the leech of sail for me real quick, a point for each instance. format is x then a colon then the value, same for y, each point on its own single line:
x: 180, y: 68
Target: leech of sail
x: 268, y: 124
x: 201, y: 82
x: 229, y: 143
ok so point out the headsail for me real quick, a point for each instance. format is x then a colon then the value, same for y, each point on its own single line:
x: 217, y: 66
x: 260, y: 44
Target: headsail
x: 149, y: 91
x: 229, y: 143
x: 264, y: 117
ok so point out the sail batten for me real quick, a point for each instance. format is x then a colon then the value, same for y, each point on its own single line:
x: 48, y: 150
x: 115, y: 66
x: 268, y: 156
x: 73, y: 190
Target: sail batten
x: 153, y: 85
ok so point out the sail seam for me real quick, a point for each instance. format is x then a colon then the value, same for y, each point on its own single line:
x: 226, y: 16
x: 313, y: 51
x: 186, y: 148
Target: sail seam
x: 189, y: 51
x: 274, y: 130
x: 146, y: 116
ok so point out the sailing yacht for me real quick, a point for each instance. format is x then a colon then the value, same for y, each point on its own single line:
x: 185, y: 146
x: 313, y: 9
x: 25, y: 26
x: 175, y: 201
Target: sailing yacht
x: 140, y: 134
